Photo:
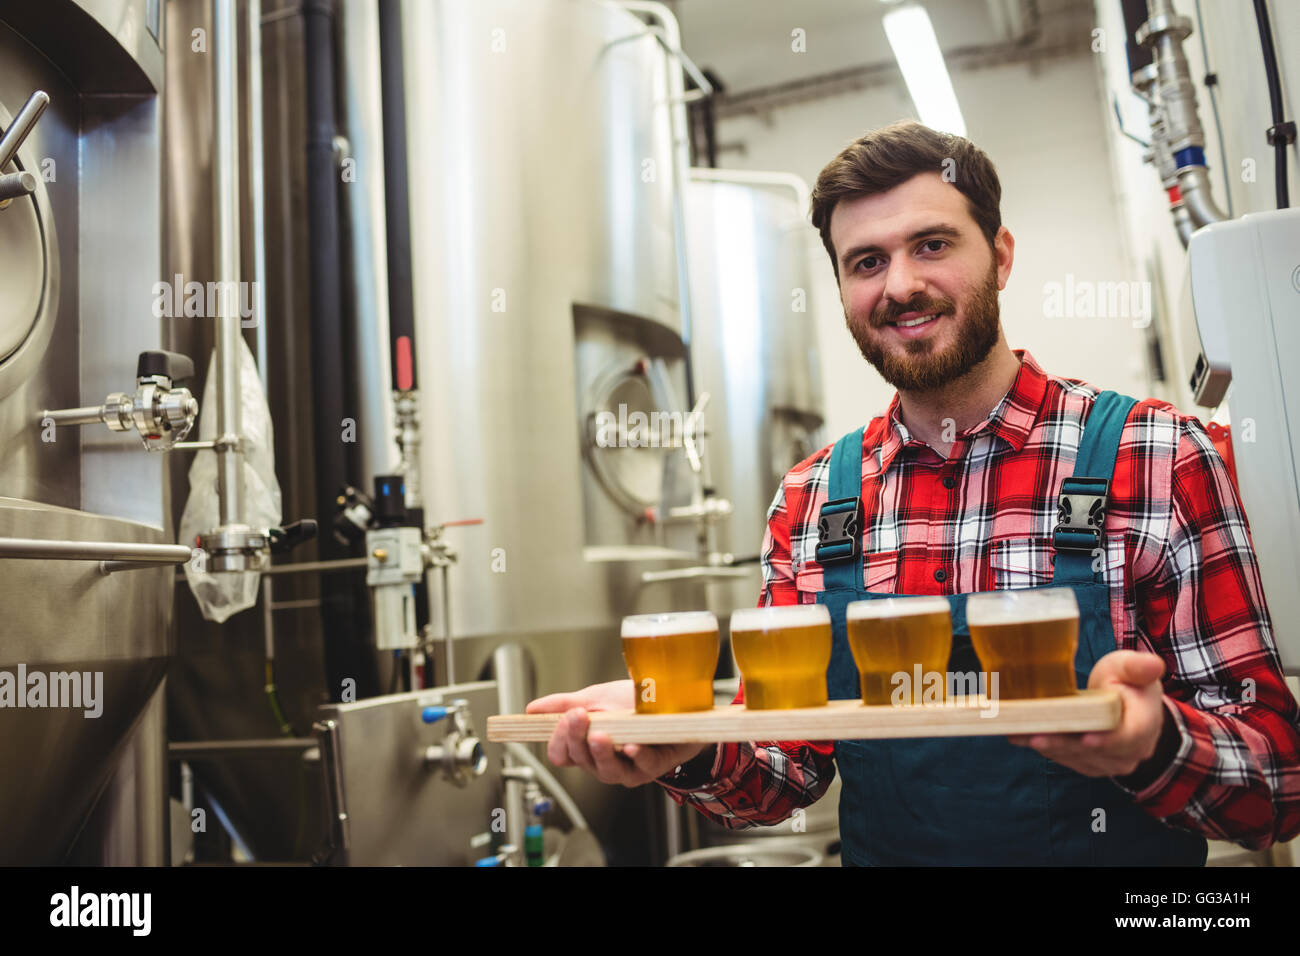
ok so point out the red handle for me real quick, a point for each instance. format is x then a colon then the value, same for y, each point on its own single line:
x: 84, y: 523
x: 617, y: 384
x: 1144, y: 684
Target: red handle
x: 404, y: 376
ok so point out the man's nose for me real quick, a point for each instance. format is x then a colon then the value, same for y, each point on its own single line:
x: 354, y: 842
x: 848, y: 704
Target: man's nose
x: 903, y: 281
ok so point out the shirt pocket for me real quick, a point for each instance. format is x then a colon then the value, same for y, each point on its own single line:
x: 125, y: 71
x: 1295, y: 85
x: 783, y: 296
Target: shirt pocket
x: 1021, y: 563
x: 880, y: 576
x: 808, y: 583
x: 1028, y: 562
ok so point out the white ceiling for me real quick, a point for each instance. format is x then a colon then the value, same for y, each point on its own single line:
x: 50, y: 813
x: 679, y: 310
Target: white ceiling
x: 748, y: 42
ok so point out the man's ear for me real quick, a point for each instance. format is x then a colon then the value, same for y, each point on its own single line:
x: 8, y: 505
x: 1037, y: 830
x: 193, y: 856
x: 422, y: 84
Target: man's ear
x: 1004, y: 251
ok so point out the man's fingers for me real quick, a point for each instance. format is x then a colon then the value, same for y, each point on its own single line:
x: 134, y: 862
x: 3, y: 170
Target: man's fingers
x: 557, y: 748
x: 648, y: 760
x: 1129, y: 667
x: 555, y: 703
x: 1142, y: 669
x: 611, y: 767
x: 575, y: 724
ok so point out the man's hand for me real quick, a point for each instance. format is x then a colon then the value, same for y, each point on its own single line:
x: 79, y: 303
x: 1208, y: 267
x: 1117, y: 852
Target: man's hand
x: 1118, y: 752
x: 572, y: 746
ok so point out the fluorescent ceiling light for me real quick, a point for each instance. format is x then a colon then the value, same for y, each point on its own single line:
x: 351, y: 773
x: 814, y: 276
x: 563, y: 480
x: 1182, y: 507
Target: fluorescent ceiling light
x: 912, y: 38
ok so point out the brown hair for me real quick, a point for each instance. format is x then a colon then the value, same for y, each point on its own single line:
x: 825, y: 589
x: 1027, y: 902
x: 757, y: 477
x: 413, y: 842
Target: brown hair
x: 893, y: 154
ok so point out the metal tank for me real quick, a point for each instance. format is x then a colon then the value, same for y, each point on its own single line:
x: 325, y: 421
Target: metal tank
x: 546, y: 290
x: 754, y: 347
x: 81, y: 254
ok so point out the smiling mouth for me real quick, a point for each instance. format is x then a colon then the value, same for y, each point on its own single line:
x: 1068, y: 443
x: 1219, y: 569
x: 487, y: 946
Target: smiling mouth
x: 915, y: 323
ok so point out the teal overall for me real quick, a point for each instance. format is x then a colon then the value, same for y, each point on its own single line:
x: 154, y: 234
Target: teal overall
x: 983, y: 801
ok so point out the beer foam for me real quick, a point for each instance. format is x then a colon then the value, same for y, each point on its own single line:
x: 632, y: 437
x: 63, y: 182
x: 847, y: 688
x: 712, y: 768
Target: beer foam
x: 1021, y: 606
x: 896, y: 607
x: 785, y: 615
x: 674, y: 622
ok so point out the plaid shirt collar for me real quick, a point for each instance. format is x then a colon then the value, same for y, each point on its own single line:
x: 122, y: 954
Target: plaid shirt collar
x: 1011, y: 419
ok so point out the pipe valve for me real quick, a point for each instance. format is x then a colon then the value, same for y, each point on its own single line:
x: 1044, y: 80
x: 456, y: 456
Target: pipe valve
x: 161, y: 412
x: 460, y: 756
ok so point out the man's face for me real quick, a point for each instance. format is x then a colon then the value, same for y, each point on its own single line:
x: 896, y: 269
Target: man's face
x: 905, y: 256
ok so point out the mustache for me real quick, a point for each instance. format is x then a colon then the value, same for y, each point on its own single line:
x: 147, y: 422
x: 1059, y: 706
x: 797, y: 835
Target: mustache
x: 890, y: 311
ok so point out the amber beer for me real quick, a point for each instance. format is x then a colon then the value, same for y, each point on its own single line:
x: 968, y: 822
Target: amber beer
x: 890, y: 636
x: 672, y: 659
x: 782, y: 654
x: 1029, y: 637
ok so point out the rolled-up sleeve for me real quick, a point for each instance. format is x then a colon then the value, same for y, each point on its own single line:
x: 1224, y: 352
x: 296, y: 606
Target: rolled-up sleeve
x: 761, y: 783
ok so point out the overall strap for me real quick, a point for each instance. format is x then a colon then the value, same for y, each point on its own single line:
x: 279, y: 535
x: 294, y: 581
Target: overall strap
x: 1081, y: 508
x: 839, y: 526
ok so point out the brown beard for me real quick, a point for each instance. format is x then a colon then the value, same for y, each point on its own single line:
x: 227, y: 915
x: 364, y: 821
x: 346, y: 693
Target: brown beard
x: 921, y: 370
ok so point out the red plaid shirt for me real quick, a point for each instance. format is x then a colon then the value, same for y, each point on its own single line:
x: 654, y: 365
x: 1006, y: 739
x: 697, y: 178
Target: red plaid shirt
x: 1183, y: 579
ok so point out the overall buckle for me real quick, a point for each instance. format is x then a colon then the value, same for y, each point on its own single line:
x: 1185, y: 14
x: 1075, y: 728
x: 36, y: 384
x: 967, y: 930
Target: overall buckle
x: 1080, y: 515
x: 839, y: 530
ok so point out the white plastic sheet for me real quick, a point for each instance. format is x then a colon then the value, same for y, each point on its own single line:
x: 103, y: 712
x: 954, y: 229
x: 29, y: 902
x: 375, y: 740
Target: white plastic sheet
x: 223, y: 594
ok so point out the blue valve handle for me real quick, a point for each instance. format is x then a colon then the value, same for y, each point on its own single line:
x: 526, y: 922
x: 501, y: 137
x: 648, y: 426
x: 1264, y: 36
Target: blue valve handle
x: 489, y: 861
x: 431, y: 715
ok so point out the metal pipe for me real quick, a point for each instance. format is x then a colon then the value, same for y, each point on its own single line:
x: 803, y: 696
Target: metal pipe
x: 230, y: 477
x: 301, y: 605
x: 397, y: 211
x: 691, y: 574
x: 58, y: 550
x: 364, y: 215
x: 1183, y: 223
x: 679, y: 124
x: 566, y: 802
x: 15, y: 185
x: 22, y: 125
x: 256, y: 176
x: 681, y: 154
x: 301, y: 567
x: 89, y: 415
x: 197, y: 749
x: 345, y: 618
x: 1194, y: 184
x: 112, y: 567
x: 1164, y: 33
x: 268, y: 622
x: 509, y: 668
x: 449, y: 644
x: 789, y: 181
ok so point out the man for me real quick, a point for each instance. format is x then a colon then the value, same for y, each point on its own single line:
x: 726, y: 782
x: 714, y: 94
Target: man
x: 957, y: 489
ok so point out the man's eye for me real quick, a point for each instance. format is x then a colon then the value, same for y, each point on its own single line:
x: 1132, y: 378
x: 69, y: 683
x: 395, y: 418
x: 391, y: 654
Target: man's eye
x: 868, y: 262
x: 934, y: 245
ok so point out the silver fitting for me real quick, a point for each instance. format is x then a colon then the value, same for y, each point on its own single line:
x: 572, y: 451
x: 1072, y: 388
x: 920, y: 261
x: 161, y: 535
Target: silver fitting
x: 460, y: 756
x: 235, y: 548
x: 162, y: 415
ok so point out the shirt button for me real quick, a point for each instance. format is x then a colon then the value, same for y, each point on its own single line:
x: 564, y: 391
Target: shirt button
x: 949, y: 483
x: 941, y: 575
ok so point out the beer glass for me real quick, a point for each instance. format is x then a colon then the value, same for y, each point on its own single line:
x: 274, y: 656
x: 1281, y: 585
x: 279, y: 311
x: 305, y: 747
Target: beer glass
x: 1028, y: 637
x: 909, y: 636
x: 782, y: 654
x: 672, y: 659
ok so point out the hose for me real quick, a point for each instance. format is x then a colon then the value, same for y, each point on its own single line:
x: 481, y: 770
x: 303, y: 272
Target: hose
x: 1282, y: 133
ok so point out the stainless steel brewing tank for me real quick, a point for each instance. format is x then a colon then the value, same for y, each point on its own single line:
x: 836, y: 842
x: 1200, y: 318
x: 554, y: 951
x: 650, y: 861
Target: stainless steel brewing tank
x: 540, y: 156
x: 81, y: 255
x: 754, y: 345
x: 544, y: 266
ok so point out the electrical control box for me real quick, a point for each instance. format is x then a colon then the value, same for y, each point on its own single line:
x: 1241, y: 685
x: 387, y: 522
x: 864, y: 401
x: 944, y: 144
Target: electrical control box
x: 1240, y: 313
